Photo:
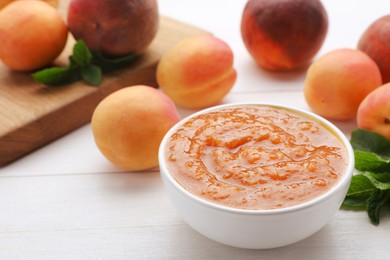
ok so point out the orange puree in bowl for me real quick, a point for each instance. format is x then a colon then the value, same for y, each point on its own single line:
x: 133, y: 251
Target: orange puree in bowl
x: 255, y: 157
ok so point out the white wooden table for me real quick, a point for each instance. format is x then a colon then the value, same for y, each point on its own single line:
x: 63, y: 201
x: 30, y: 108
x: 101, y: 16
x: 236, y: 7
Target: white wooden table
x: 65, y: 201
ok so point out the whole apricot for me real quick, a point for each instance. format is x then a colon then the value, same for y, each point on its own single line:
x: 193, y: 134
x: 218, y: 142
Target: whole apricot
x: 114, y: 28
x: 374, y: 111
x: 197, y: 72
x: 338, y: 81
x: 6, y: 2
x: 284, y: 34
x: 129, y: 124
x: 375, y: 42
x: 32, y: 35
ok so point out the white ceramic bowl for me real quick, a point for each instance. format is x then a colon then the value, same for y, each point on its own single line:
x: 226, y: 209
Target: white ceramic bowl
x: 257, y: 229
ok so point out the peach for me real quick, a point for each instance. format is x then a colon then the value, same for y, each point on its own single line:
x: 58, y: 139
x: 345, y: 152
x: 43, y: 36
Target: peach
x: 375, y: 42
x: 338, y: 81
x: 114, y: 28
x: 129, y: 124
x: 32, y: 35
x: 197, y: 72
x: 374, y: 111
x: 283, y: 35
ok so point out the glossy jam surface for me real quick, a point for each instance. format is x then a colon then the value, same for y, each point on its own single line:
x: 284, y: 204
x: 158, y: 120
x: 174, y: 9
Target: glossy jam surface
x: 255, y: 157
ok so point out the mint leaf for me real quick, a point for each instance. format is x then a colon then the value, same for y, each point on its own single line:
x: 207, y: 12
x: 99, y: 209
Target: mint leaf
x: 361, y: 187
x: 81, y: 56
x: 380, y: 181
x: 369, y: 161
x: 83, y: 64
x: 375, y: 203
x: 109, y: 64
x: 370, y: 188
x: 354, y: 202
x: 365, y: 140
x: 359, y: 191
x: 370, y: 191
x: 92, y: 74
x: 56, y: 76
x: 382, y: 177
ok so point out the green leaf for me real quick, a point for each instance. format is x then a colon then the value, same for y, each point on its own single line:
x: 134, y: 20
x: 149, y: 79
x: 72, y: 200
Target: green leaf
x: 369, y: 161
x: 364, y: 186
x: 380, y: 181
x: 81, y: 56
x: 354, y: 202
x: 365, y: 140
x: 371, y: 187
x: 83, y: 64
x: 375, y: 203
x: 56, y: 76
x: 109, y: 64
x: 92, y: 74
x: 360, y: 190
x: 383, y: 177
x: 361, y: 187
x: 370, y: 191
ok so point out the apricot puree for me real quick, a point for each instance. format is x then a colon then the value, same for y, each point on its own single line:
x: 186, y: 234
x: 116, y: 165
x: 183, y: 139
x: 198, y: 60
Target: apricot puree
x: 255, y: 157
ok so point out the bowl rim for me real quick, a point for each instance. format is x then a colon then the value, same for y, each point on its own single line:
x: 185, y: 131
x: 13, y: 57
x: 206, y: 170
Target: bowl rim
x: 317, y: 200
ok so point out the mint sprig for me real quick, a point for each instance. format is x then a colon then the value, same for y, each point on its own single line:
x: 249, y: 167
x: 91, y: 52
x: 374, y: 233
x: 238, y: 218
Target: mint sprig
x: 370, y: 187
x: 84, y: 64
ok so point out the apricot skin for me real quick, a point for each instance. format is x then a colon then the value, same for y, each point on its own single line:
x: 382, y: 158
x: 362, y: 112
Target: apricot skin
x: 375, y: 42
x: 374, y: 111
x: 114, y: 28
x: 3, y: 3
x: 32, y: 35
x: 338, y: 81
x: 197, y: 72
x: 129, y: 124
x: 284, y: 34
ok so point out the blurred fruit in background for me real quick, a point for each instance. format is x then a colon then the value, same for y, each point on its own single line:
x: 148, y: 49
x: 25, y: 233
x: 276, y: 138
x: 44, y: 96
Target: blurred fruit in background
x: 197, y: 72
x: 32, y: 35
x: 114, y: 28
x: 338, y: 81
x: 283, y: 34
x: 375, y: 41
x: 53, y: 3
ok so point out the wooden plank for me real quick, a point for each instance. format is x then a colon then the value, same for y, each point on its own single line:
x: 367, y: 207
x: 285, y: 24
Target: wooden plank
x: 32, y: 115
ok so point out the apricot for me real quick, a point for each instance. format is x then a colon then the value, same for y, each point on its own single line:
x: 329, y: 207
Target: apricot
x: 338, y: 81
x: 32, y: 35
x: 114, y: 28
x: 283, y: 35
x: 6, y: 2
x: 129, y: 124
x: 374, y: 111
x: 197, y: 72
x: 375, y: 42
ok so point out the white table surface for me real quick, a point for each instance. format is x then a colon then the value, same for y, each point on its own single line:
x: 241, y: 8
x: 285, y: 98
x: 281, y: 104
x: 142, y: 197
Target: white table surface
x: 65, y: 201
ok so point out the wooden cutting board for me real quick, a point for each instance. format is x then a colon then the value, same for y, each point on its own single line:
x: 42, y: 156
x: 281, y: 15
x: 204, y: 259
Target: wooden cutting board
x: 32, y: 115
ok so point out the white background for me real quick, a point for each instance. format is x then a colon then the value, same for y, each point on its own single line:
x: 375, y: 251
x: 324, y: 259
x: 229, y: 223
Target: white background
x: 65, y: 201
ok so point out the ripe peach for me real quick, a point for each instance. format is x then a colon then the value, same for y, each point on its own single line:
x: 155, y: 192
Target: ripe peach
x: 283, y: 35
x: 32, y: 35
x: 114, y: 28
x: 375, y: 42
x: 374, y: 111
x: 338, y: 81
x: 129, y: 124
x: 197, y: 72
